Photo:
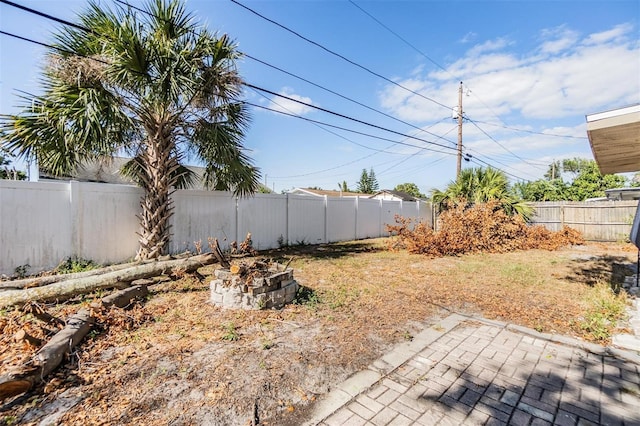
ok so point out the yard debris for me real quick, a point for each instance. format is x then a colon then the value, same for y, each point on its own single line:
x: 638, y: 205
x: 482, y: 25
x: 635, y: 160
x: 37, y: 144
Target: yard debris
x: 48, y: 357
x: 480, y: 228
x: 64, y: 290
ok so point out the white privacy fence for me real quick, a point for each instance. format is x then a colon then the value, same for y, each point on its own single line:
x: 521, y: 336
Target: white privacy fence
x: 43, y: 223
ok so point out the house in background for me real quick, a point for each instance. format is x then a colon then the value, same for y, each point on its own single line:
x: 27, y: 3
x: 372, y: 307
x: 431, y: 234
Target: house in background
x: 622, y: 194
x: 387, y: 194
x: 328, y: 193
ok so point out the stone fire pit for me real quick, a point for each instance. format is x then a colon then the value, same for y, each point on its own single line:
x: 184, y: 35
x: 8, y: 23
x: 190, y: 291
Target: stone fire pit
x: 257, y: 286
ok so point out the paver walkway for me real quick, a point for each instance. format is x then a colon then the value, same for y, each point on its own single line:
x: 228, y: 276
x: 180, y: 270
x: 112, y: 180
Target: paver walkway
x: 463, y: 372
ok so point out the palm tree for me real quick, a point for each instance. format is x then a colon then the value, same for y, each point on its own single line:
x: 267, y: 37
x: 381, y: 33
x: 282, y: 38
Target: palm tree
x: 479, y: 185
x: 157, y: 86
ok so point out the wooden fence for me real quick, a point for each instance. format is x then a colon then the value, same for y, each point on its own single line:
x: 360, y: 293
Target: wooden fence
x: 598, y: 221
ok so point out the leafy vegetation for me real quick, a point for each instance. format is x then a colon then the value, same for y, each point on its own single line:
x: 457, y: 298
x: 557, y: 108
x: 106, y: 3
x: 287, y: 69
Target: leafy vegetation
x: 483, y: 227
x: 5, y: 171
x: 75, y: 264
x: 605, y: 308
x: 480, y: 185
x: 154, y: 83
x: 343, y: 186
x: 231, y: 334
x: 411, y: 189
x: 584, y: 181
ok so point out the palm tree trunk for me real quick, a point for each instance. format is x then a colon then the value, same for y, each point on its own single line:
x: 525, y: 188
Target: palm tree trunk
x: 156, y: 204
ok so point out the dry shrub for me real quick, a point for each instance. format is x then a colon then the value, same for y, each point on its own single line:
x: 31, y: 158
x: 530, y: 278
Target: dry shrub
x: 479, y: 228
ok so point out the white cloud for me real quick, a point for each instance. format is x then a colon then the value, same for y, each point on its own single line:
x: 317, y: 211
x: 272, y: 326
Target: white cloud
x: 563, y: 76
x: 290, y: 106
x: 555, y: 40
x: 617, y: 32
x: 489, y: 46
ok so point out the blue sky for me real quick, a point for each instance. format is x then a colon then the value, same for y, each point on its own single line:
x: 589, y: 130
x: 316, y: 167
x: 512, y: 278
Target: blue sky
x: 531, y: 71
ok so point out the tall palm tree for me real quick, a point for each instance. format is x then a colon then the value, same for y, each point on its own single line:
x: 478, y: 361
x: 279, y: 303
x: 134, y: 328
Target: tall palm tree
x: 156, y: 85
x: 480, y: 185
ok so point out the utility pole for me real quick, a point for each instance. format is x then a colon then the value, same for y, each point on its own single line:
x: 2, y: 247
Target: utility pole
x: 459, y: 165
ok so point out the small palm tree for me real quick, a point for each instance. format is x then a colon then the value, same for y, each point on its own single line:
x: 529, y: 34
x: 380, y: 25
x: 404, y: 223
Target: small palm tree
x: 479, y: 185
x: 157, y: 86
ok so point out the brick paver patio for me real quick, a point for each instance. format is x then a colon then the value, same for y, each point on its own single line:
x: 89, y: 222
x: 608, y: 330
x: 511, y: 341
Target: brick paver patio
x: 463, y: 372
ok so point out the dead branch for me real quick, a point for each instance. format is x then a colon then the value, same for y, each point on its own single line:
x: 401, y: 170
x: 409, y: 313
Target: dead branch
x: 48, y: 358
x: 215, y: 249
x: 50, y: 279
x: 116, y: 279
x: 123, y: 297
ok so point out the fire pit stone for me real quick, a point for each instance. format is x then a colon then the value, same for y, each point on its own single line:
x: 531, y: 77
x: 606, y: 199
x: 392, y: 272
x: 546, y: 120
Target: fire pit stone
x: 272, y: 288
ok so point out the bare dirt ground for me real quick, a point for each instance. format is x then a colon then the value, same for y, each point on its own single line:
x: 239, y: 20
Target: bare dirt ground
x: 176, y: 359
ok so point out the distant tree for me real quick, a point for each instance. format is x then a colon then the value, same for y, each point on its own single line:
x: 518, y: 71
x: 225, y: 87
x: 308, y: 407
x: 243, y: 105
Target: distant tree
x: 264, y: 189
x: 9, y: 173
x: 585, y: 181
x: 635, y: 180
x: 343, y: 186
x: 589, y: 182
x: 368, y: 184
x: 541, y: 190
x: 555, y: 169
x: 411, y: 189
x: 577, y: 165
x: 373, y: 181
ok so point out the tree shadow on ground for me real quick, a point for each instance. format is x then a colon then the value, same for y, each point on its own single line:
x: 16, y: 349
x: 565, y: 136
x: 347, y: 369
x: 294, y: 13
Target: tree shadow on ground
x: 323, y: 251
x: 590, y: 389
x: 597, y: 269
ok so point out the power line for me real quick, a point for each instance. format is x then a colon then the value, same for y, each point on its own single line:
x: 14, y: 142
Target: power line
x: 531, y: 131
x: 344, y: 97
x: 270, y: 109
x: 447, y: 71
x: 316, y: 123
x: 48, y: 16
x: 344, y: 58
x: 349, y: 118
x: 402, y: 39
x: 500, y: 145
x: 349, y: 130
x: 311, y: 82
x: 42, y: 14
x: 45, y: 15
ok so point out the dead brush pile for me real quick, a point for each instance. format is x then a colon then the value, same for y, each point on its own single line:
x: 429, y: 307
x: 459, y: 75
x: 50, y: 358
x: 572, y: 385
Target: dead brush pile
x: 479, y: 228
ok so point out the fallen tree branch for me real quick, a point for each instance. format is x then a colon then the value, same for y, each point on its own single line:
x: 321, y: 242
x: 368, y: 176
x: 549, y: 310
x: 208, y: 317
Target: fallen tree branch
x: 123, y: 297
x: 49, y: 357
x: 119, y: 279
x: 50, y: 279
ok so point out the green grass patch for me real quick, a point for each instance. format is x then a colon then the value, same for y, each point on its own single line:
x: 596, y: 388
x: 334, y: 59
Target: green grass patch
x: 605, y: 309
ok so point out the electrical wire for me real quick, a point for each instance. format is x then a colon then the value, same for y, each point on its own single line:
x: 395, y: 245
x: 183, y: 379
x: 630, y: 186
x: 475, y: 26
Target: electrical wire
x: 344, y: 58
x: 468, y: 90
x: 500, y: 145
x: 343, y: 96
x: 42, y: 14
x: 402, y: 38
x: 124, y: 2
x: 533, y: 132
x: 348, y: 117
